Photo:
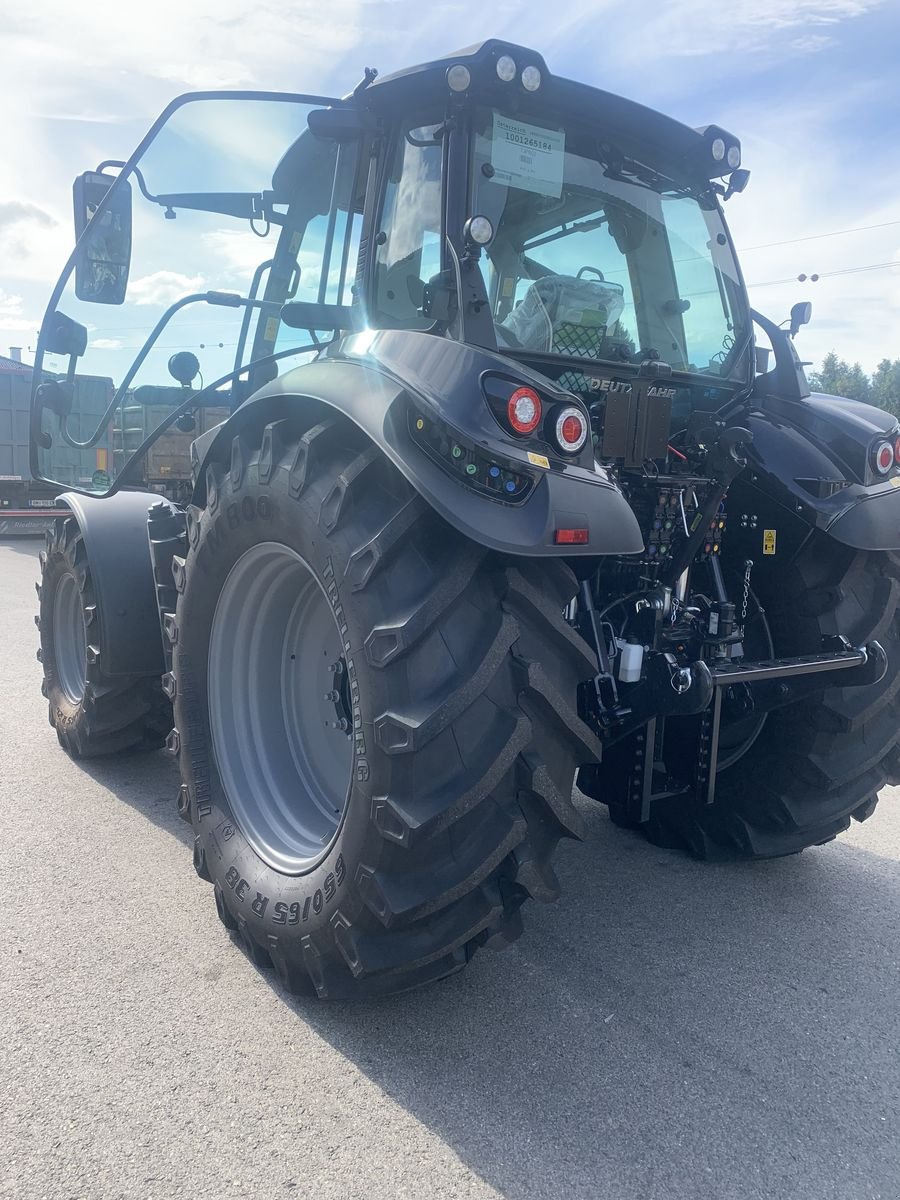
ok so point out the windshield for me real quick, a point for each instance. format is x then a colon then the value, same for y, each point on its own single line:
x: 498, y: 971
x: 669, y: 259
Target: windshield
x: 231, y: 194
x: 596, y: 257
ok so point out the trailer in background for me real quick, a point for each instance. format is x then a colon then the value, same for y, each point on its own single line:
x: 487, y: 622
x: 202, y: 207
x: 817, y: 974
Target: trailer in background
x: 27, y: 508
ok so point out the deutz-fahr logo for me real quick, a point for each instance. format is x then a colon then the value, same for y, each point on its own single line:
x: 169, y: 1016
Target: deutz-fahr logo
x: 620, y: 386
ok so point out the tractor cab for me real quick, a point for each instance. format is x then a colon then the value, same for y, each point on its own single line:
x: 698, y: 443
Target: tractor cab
x: 477, y: 199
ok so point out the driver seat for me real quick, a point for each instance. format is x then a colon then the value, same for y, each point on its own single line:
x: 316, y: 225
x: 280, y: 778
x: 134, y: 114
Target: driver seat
x: 566, y: 315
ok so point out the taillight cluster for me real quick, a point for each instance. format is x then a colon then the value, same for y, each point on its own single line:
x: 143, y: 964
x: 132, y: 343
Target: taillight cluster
x: 524, y: 414
x: 885, y: 455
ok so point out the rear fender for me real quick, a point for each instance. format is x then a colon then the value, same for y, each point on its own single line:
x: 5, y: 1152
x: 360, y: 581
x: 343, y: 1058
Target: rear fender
x: 380, y: 381
x: 807, y: 470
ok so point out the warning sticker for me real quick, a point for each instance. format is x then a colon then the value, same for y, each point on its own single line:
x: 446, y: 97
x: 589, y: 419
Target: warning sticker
x: 539, y: 460
x: 528, y: 157
x: 768, y: 541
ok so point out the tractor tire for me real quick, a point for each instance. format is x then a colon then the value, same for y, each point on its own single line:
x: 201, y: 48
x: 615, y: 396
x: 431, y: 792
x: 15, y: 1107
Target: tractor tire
x: 821, y: 762
x: 93, y: 714
x: 375, y: 718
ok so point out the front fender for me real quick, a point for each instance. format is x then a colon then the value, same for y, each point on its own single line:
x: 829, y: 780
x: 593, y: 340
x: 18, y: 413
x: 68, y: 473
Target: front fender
x: 117, y: 547
x: 375, y: 388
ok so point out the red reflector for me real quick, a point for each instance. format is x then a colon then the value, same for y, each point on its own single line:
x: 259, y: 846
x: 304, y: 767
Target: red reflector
x: 571, y: 537
x: 897, y: 450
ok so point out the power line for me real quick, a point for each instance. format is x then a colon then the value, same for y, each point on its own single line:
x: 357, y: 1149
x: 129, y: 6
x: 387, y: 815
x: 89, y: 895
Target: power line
x: 827, y: 274
x: 814, y: 237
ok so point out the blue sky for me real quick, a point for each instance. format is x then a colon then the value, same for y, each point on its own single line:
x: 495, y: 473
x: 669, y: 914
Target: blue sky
x: 810, y: 88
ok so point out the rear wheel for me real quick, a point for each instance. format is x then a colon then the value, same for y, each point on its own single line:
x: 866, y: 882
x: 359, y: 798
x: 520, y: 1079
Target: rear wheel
x: 375, y: 717
x: 93, y: 714
x: 818, y: 764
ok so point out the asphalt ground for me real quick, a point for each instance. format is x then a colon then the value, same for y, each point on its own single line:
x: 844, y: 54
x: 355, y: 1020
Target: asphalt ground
x: 667, y: 1030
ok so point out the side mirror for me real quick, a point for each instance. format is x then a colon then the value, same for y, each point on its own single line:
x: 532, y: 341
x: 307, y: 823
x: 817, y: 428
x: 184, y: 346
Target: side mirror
x: 801, y: 314
x: 103, y: 252
x: 342, y: 124
x: 305, y: 314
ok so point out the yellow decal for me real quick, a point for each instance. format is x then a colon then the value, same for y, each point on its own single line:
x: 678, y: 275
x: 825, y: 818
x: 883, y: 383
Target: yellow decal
x: 538, y: 460
x: 102, y: 458
x: 895, y: 482
x: 768, y: 541
x: 271, y: 329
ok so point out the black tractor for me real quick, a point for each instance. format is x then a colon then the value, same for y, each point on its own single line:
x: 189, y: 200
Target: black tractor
x: 509, y: 498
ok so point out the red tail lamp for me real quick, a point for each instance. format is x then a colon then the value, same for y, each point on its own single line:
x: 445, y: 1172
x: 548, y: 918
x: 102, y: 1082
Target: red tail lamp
x: 571, y: 430
x: 883, y: 456
x: 523, y: 410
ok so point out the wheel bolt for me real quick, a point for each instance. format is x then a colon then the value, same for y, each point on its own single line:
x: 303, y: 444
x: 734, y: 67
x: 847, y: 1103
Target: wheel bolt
x: 333, y: 696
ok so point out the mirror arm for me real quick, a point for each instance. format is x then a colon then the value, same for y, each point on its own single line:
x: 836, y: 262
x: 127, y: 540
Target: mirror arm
x: 136, y: 171
x: 222, y: 299
x: 787, y: 378
x: 197, y: 399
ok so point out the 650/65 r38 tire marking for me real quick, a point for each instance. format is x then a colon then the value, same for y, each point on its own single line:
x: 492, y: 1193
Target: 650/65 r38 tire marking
x: 448, y: 672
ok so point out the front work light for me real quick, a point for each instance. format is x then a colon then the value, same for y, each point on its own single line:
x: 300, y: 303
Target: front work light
x: 458, y: 78
x: 506, y: 68
x: 719, y: 153
x: 531, y: 79
x: 478, y: 230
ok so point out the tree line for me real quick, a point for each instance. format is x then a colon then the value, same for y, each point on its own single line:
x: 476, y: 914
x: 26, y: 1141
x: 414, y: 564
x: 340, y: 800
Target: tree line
x: 838, y: 378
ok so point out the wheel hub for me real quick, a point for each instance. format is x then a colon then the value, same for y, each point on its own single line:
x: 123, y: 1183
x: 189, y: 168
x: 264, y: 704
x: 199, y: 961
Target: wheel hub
x: 279, y: 704
x: 69, y: 639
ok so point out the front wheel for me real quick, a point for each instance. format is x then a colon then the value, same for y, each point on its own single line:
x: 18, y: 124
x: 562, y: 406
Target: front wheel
x: 376, y: 718
x: 93, y: 713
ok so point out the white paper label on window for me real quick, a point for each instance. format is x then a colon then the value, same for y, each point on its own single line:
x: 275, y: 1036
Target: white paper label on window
x: 528, y: 157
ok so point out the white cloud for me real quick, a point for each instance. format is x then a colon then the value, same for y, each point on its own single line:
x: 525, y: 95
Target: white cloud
x: 13, y: 319
x: 697, y: 28
x: 10, y: 305
x: 106, y: 344
x: 163, y: 287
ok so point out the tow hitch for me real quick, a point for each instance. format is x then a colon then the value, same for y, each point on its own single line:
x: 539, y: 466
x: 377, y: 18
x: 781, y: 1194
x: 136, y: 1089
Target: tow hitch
x: 687, y: 702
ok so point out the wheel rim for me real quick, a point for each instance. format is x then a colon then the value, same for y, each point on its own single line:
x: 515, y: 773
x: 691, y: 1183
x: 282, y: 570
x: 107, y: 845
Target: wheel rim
x: 279, y: 711
x: 69, y: 639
